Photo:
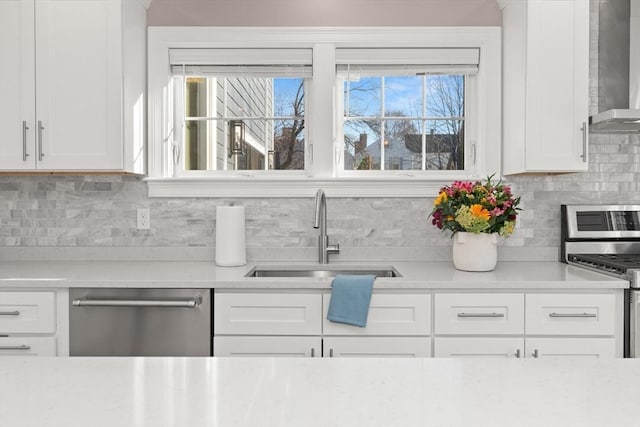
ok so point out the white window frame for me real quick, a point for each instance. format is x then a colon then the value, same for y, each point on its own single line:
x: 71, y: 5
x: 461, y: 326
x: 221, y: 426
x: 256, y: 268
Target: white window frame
x: 323, y: 145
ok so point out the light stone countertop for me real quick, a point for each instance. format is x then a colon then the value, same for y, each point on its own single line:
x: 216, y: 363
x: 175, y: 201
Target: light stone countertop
x: 181, y: 274
x: 287, y: 392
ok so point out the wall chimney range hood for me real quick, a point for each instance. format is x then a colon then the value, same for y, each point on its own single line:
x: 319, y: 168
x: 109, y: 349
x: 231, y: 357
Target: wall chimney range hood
x: 618, y: 68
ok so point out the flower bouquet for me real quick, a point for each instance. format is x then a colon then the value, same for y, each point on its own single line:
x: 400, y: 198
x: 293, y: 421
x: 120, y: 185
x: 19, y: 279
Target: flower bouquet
x: 480, y: 207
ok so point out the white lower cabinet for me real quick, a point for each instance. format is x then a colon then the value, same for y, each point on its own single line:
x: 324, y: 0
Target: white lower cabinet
x: 528, y: 324
x: 30, y: 325
x: 268, y: 346
x: 478, y: 347
x: 27, y: 346
x: 376, y: 347
x: 570, y: 347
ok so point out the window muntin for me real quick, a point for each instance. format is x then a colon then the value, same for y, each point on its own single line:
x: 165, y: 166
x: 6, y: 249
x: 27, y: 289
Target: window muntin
x: 403, y: 122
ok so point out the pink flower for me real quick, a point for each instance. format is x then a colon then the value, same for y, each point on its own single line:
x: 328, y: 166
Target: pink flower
x: 507, y: 190
x: 463, y: 186
x: 507, y: 204
x: 497, y: 211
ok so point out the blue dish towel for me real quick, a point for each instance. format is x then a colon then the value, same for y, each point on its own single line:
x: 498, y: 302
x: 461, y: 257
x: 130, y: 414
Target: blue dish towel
x: 350, y: 298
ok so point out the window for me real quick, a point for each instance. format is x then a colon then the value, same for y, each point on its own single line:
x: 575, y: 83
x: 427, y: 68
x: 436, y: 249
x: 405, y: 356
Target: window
x: 404, y: 109
x: 358, y: 112
x: 240, y: 109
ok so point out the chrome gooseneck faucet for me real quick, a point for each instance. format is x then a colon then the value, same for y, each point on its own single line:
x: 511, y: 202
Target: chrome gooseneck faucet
x: 320, y: 221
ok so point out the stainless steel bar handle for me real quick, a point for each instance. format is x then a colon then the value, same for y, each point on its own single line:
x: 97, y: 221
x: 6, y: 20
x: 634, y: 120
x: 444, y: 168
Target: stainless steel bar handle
x: 25, y: 128
x: 330, y: 352
x: 15, y: 347
x: 480, y: 314
x: 573, y: 315
x: 10, y: 313
x: 517, y: 353
x: 584, y: 141
x: 40, y: 129
x: 191, y: 303
x: 535, y: 353
x: 313, y: 352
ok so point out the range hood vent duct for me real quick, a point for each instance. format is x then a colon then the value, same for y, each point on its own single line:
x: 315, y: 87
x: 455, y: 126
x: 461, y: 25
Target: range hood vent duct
x: 618, y: 68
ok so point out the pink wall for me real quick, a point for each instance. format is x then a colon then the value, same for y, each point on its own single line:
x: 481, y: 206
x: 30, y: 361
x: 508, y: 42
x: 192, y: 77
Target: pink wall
x: 324, y: 12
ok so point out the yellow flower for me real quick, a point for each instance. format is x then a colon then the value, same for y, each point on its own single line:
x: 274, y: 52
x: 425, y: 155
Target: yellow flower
x: 480, y: 212
x: 442, y: 197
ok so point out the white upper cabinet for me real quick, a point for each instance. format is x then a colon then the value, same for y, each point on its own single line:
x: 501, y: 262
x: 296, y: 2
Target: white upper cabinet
x: 545, y: 85
x: 75, y: 101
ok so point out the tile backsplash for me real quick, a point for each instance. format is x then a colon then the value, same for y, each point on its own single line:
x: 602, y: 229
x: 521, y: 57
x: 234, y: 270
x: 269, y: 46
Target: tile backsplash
x: 100, y: 211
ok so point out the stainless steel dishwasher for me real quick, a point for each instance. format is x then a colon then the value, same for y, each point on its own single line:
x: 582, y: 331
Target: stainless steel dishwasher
x: 139, y: 322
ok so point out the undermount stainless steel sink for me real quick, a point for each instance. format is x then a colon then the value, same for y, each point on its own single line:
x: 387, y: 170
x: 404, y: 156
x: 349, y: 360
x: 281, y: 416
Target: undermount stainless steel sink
x: 320, y: 271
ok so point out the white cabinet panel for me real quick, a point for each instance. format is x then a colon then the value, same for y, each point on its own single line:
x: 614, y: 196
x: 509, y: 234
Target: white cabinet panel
x: 27, y: 312
x: 545, y: 85
x: 483, y: 314
x: 571, y: 347
x: 478, y: 347
x: 267, y: 314
x: 79, y: 70
x: 17, y: 85
x: 27, y: 346
x: 389, y: 314
x: 64, y: 88
x: 267, y: 346
x: 376, y: 347
x: 570, y: 314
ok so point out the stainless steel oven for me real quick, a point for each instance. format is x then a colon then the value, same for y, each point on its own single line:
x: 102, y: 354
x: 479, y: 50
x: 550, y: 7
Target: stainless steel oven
x: 606, y: 238
x: 140, y: 322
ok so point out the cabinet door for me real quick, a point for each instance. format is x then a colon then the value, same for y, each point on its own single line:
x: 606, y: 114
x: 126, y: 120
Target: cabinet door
x: 267, y: 346
x: 377, y: 347
x: 389, y: 314
x: 78, y: 84
x: 27, y: 346
x: 479, y: 314
x: 571, y: 347
x: 557, y: 85
x: 17, y: 85
x: 267, y: 314
x: 478, y: 347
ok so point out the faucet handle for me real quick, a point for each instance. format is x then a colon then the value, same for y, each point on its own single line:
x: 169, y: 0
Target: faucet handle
x: 333, y: 249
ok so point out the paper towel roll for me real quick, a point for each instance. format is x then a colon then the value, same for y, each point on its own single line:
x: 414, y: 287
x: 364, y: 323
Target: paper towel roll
x: 230, y: 236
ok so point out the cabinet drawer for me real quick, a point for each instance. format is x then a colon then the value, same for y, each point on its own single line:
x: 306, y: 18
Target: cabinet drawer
x: 571, y: 314
x: 479, y: 314
x: 389, y: 314
x: 27, y: 312
x: 267, y: 346
x: 267, y: 314
x: 27, y: 346
x: 377, y: 347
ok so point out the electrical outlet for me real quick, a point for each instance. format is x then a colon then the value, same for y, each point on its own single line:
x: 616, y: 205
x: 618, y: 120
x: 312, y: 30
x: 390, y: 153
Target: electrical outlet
x: 144, y: 219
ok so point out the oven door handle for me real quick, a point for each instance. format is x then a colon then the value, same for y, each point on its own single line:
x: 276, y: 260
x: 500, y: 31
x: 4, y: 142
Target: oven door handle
x: 87, y: 302
x: 572, y: 315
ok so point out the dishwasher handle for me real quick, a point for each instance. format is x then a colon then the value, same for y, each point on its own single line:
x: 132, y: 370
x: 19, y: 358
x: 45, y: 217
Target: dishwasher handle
x: 187, y: 303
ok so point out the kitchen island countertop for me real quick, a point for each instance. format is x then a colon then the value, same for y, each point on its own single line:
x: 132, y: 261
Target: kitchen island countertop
x: 265, y: 392
x: 181, y: 274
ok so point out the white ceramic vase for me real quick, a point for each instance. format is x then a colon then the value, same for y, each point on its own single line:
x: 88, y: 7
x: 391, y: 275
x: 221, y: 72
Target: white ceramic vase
x: 475, y: 251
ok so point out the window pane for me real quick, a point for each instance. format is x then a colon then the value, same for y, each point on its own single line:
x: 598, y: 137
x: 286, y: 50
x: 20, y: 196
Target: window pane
x: 403, y: 96
x: 362, y: 144
x: 445, y: 144
x: 402, y: 145
x: 244, y: 123
x: 445, y: 96
x: 288, y: 150
x: 362, y: 96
